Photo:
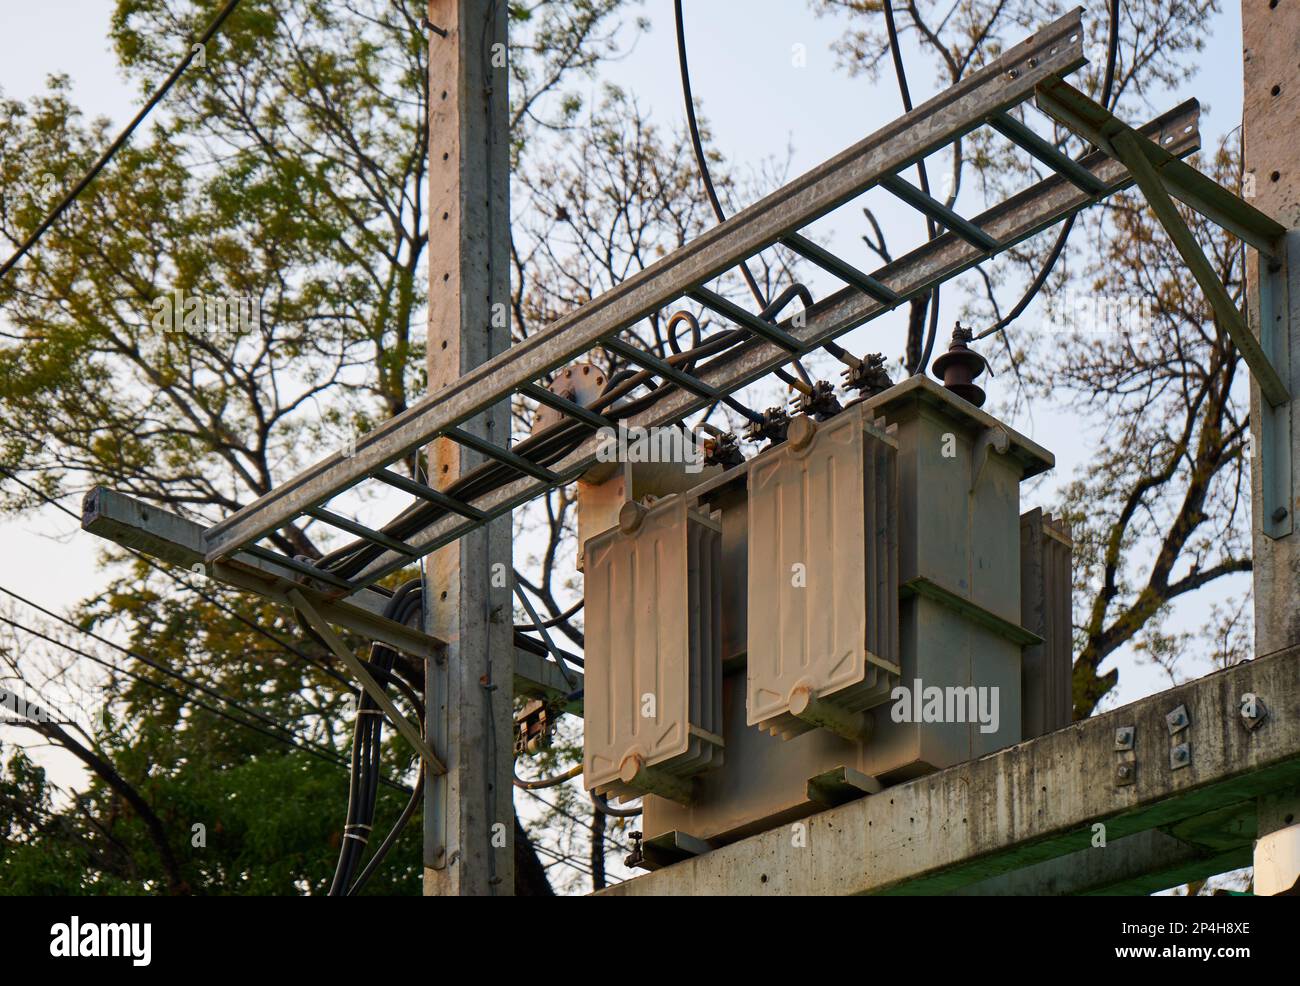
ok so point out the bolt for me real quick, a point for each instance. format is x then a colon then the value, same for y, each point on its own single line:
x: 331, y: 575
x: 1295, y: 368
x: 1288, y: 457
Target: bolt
x: 1014, y: 74
x: 1124, y: 736
x: 1177, y: 720
x: 1124, y: 770
x: 1253, y: 711
x: 1279, y: 515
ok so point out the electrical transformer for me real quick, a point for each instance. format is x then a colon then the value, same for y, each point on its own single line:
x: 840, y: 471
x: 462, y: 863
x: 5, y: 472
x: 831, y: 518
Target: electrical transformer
x: 856, y: 606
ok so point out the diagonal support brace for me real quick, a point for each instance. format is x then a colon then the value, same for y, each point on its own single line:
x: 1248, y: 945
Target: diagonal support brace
x: 1130, y: 153
x: 1096, y: 124
x: 409, y: 731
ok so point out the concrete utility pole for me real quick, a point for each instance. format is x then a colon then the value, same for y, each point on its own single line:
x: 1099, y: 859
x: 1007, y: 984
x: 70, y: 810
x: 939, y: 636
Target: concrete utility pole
x: 469, y: 814
x: 1271, y: 41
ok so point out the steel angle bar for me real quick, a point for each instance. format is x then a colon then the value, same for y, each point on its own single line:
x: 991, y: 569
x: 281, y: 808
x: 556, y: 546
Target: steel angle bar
x: 1092, y: 121
x: 734, y: 313
x: 1270, y: 383
x: 1021, y: 135
x: 565, y: 406
x: 648, y: 361
x: 398, y: 481
x: 301, y: 567
x: 1023, y: 215
x: 178, y: 541
x: 846, y: 272
x: 360, y: 530
x: 1278, y: 283
x: 410, y: 732
x: 1053, y: 51
x: 503, y: 455
x: 940, y: 213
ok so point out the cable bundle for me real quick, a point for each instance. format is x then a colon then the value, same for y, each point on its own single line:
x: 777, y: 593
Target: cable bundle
x: 406, y: 603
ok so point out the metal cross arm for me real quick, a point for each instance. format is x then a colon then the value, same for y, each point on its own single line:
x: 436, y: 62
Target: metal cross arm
x: 1158, y: 174
x: 177, y: 541
x: 1007, y: 81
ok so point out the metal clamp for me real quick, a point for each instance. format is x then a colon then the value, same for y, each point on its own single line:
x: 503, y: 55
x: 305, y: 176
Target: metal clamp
x: 1180, y: 752
x: 1125, y: 756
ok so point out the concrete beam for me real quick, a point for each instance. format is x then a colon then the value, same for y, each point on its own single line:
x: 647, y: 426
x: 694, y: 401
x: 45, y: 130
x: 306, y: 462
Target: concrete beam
x: 1138, y: 864
x: 537, y: 676
x: 1038, y: 801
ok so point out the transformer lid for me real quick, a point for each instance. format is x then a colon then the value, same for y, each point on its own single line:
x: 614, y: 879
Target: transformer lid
x: 903, y: 399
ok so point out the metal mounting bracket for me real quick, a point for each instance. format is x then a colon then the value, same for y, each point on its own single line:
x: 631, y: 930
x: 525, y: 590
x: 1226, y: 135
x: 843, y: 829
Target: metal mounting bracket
x: 1279, y: 284
x: 1161, y: 177
x: 410, y: 732
x: 1129, y: 148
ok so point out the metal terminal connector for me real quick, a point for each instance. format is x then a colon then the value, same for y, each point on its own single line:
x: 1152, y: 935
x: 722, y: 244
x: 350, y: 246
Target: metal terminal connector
x: 868, y: 377
x: 723, y: 449
x: 534, y: 724
x: 772, y: 428
x: 821, y: 403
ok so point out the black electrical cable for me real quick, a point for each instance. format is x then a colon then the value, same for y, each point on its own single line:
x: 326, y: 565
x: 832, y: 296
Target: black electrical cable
x: 547, y: 446
x: 1107, y: 91
x: 389, y: 840
x: 896, y: 50
x: 188, y: 699
x: 698, y: 145
x: 122, y: 138
x: 568, y: 614
x: 701, y: 161
x: 406, y: 604
x: 556, y: 654
x: 579, y: 821
x: 156, y: 665
x: 606, y: 809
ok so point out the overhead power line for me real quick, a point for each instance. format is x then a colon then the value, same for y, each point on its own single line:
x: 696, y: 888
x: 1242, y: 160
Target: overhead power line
x: 905, y: 92
x: 211, y: 600
x: 148, y: 662
x: 121, y: 140
x: 190, y: 699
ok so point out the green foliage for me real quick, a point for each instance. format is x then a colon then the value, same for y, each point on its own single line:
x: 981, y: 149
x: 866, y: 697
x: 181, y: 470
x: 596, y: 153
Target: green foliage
x: 287, y: 167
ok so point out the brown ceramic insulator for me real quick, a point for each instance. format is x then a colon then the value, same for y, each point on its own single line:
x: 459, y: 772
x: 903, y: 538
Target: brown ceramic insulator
x: 959, y: 367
